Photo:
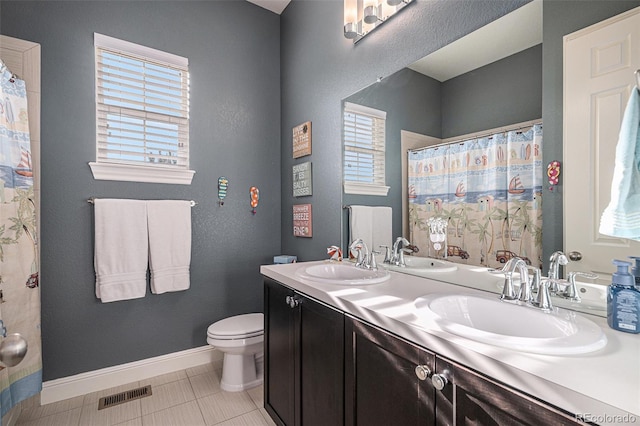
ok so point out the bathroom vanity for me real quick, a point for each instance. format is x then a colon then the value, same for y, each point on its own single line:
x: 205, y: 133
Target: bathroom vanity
x: 350, y: 354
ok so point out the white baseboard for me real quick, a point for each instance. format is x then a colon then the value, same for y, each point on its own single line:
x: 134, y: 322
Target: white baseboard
x: 105, y: 378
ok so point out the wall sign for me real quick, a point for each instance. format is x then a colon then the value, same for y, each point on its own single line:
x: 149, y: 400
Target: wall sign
x: 302, y: 140
x: 302, y: 184
x: 302, y: 223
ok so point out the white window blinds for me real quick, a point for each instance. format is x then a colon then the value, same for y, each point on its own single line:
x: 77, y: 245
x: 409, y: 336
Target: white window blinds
x: 364, y: 146
x: 142, y: 105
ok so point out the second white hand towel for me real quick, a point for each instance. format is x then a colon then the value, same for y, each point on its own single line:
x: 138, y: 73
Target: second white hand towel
x: 169, y: 223
x: 121, y: 249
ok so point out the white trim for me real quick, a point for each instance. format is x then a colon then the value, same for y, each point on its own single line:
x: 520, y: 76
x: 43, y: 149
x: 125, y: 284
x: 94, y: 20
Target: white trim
x: 361, y: 109
x: 107, y: 42
x: 365, y: 189
x: 131, y: 173
x: 105, y: 378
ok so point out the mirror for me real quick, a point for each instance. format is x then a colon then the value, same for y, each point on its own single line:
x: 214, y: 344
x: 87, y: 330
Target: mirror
x: 458, y: 91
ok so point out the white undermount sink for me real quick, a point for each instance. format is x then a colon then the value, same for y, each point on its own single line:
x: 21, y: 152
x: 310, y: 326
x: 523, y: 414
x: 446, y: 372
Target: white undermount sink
x: 342, y: 274
x: 506, y: 324
x: 426, y: 264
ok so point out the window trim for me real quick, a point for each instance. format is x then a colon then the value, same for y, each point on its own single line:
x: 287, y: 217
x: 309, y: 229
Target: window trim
x: 361, y: 188
x: 134, y: 172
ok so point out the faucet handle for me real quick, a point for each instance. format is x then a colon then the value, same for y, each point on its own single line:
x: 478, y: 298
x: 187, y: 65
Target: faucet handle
x: 508, y: 292
x: 543, y: 300
x: 387, y: 253
x: 571, y: 290
x: 373, y: 264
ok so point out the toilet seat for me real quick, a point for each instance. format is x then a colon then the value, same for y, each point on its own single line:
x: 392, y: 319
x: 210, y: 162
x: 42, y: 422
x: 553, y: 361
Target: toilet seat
x: 237, y: 327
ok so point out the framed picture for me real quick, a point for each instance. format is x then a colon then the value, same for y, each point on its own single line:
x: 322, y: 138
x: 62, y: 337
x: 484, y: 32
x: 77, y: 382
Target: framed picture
x: 302, y: 182
x: 302, y: 220
x: 302, y: 140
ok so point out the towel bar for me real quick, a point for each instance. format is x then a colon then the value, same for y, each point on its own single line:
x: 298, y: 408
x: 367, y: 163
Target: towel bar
x: 92, y: 201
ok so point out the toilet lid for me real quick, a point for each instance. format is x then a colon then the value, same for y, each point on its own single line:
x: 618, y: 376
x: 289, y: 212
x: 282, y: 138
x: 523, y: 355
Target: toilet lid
x: 247, y: 325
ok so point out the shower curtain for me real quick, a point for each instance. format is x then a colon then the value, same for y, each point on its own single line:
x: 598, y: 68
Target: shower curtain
x: 488, y: 189
x: 19, y: 289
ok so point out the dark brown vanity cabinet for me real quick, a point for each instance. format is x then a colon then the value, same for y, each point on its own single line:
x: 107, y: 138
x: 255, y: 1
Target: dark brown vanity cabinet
x: 304, y: 359
x: 468, y: 398
x: 389, y: 381
x: 325, y: 368
x: 382, y: 386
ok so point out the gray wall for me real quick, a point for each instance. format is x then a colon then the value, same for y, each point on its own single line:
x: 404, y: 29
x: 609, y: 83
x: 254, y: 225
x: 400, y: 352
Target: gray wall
x: 499, y: 94
x: 334, y: 68
x: 233, y: 50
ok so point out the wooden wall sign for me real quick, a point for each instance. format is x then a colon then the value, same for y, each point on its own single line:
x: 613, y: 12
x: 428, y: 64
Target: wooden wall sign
x: 302, y: 140
x: 302, y: 182
x: 302, y: 222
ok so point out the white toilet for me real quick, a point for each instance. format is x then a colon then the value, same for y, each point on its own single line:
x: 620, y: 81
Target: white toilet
x: 240, y: 338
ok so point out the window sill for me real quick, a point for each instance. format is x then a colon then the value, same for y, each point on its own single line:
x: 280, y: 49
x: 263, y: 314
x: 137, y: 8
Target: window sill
x: 129, y: 173
x: 365, y: 189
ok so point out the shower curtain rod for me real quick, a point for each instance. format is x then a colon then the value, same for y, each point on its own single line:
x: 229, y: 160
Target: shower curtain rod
x: 93, y: 199
x: 491, y: 132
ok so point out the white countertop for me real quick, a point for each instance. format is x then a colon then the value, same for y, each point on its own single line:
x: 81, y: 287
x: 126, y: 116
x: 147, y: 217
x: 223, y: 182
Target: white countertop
x: 603, y: 384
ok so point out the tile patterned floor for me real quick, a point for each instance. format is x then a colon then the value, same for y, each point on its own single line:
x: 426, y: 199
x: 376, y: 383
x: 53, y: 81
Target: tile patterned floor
x: 189, y: 397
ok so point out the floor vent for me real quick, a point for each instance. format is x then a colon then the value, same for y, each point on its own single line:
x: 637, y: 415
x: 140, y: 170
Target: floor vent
x: 122, y: 397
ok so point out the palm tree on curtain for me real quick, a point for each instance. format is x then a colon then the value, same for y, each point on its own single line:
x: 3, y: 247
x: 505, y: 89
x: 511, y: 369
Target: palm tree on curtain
x: 25, y: 221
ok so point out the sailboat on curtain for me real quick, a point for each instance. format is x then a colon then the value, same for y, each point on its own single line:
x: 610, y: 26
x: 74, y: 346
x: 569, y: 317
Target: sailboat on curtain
x: 516, y: 186
x: 24, y: 166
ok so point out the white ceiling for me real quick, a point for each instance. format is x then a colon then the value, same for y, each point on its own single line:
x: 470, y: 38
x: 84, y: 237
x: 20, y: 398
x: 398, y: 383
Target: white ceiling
x: 486, y: 45
x: 276, y: 6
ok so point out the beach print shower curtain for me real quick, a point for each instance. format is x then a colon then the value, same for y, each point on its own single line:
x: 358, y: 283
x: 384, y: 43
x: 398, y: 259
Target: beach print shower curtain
x: 489, y: 191
x: 19, y: 291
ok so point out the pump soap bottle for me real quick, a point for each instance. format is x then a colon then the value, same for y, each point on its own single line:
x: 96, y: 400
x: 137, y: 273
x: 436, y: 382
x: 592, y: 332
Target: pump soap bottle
x: 623, y: 300
x: 636, y: 270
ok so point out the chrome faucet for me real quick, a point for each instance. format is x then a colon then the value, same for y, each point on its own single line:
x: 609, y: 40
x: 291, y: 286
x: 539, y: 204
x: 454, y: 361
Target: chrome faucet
x: 557, y: 259
x: 508, y: 291
x: 397, y: 252
x: 363, y: 260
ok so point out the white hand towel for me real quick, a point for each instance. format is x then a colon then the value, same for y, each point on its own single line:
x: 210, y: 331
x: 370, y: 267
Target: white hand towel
x: 169, y: 224
x: 121, y: 249
x: 381, y: 227
x: 361, y: 224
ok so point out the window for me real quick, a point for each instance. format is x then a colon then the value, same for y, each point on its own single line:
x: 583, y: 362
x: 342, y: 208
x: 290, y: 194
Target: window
x: 142, y: 113
x: 364, y: 150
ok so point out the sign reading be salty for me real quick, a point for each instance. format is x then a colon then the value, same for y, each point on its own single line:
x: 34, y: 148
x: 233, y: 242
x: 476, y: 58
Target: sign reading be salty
x: 302, y: 140
x: 302, y: 184
x: 302, y: 222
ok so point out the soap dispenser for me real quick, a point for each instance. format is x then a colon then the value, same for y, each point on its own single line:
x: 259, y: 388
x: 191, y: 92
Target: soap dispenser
x: 623, y: 300
x: 636, y: 270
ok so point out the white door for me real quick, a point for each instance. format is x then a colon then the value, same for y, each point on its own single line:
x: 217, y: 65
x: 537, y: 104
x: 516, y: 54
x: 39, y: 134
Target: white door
x: 599, y: 65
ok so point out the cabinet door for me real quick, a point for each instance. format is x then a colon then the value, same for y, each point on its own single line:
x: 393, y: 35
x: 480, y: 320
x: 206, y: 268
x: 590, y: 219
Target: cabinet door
x: 279, y: 353
x: 472, y: 399
x: 321, y: 355
x: 381, y: 385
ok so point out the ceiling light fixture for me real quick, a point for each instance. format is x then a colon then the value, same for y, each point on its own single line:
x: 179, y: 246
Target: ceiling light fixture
x: 363, y: 16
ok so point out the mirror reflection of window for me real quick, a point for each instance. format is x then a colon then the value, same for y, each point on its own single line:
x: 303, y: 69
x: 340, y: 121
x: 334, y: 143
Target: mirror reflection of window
x: 364, y: 150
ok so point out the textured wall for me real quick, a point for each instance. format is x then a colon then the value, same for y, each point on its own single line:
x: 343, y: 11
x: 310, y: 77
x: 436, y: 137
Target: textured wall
x: 320, y: 68
x: 233, y: 50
